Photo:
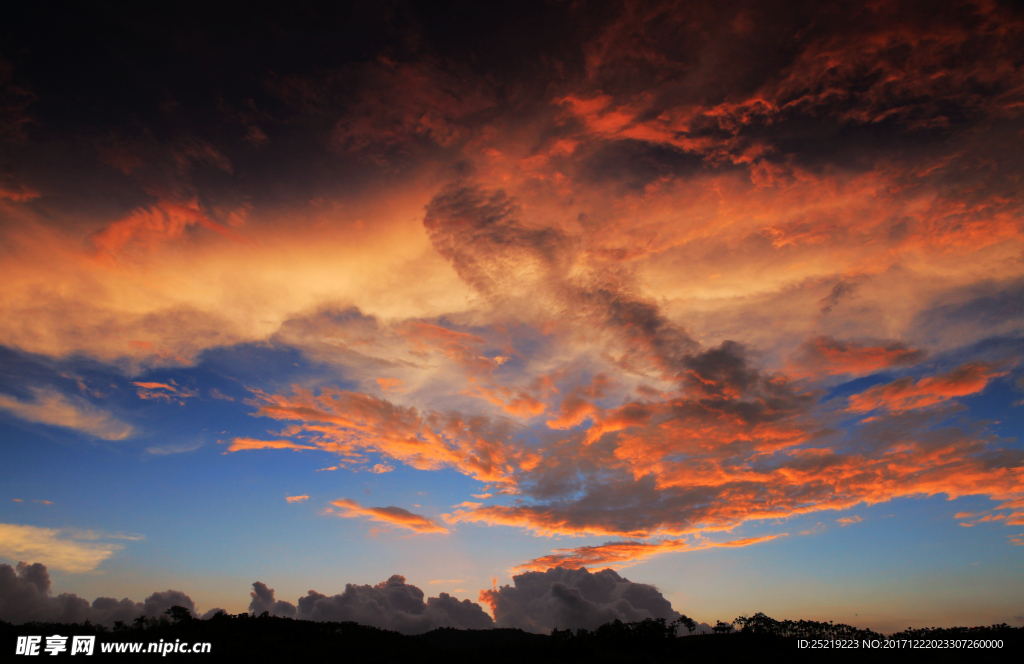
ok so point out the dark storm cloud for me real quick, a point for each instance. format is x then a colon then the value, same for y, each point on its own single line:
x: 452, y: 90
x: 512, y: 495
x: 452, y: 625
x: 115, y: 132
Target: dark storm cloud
x: 211, y: 103
x: 561, y: 598
x: 761, y: 69
x: 14, y: 103
x: 634, y: 164
x: 25, y: 596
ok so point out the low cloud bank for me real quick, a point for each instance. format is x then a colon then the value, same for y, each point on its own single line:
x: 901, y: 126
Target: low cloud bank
x: 25, y: 597
x: 537, y: 602
x: 392, y: 604
x: 572, y: 599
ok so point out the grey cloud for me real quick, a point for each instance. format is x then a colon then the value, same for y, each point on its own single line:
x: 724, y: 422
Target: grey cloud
x: 393, y: 604
x: 107, y: 610
x: 158, y: 602
x: 25, y: 597
x: 563, y: 598
x: 480, y: 233
x: 491, y: 249
x: 467, y: 614
x: 263, y: 600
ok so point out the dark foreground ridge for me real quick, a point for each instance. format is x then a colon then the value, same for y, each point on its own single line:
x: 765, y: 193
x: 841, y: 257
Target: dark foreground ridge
x: 758, y: 638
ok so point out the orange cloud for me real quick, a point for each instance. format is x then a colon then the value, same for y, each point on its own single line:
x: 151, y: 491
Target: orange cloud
x: 296, y: 499
x: 395, y: 516
x: 461, y: 347
x: 518, y: 403
x: 620, y: 554
x: 849, y: 520
x: 770, y: 248
x: 240, y: 444
x: 465, y: 350
x: 157, y: 391
x: 351, y: 424
x: 166, y: 220
x: 388, y: 384
x: 905, y: 394
x: 157, y: 386
x: 576, y: 407
x: 828, y: 75
x: 827, y: 356
x: 158, y: 289
x: 645, y: 494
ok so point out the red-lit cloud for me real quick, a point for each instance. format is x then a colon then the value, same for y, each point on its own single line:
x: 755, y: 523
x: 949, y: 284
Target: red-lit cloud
x: 351, y: 424
x: 905, y: 393
x: 620, y: 554
x: 241, y: 444
x: 614, y: 279
x: 395, y: 516
x: 828, y: 356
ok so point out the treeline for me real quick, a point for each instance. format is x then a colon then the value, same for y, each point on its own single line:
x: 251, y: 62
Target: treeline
x: 759, y: 623
x: 265, y: 638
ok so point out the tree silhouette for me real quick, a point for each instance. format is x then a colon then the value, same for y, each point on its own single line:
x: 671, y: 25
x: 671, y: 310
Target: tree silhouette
x: 687, y: 622
x: 178, y: 614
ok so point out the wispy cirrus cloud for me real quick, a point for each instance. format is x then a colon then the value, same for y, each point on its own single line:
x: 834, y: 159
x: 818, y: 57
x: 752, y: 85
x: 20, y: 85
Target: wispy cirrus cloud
x: 70, y: 552
x: 51, y: 407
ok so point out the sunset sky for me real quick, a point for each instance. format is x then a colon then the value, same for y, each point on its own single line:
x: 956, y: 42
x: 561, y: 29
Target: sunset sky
x: 726, y: 296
